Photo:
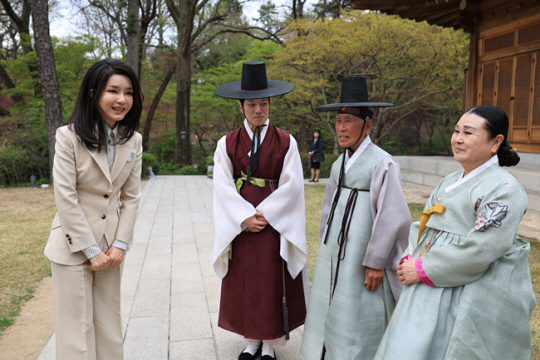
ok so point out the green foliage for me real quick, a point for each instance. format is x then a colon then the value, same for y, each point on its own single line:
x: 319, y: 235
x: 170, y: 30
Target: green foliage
x: 163, y: 147
x: 168, y: 168
x: 415, y: 66
x: 23, y: 136
x: 14, y: 165
x: 188, y: 170
x: 72, y: 61
x: 23, y: 150
x: 26, y: 81
x: 149, y: 160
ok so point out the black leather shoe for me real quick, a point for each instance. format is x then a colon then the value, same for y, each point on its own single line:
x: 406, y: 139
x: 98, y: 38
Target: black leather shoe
x: 247, y: 356
x: 268, y: 357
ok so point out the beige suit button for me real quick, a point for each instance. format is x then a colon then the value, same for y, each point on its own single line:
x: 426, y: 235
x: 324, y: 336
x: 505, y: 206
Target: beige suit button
x: 103, y: 217
x: 106, y: 196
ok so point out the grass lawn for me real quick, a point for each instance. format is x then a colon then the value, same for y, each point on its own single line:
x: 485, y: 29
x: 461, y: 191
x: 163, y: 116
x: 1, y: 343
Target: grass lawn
x: 25, y: 222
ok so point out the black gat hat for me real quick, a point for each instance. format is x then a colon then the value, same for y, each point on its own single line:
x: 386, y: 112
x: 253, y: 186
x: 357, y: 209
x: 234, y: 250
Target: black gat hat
x: 354, y: 94
x: 254, y: 84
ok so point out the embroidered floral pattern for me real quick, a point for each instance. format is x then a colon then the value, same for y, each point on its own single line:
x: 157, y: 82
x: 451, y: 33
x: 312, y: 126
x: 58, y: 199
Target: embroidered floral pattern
x: 493, y: 215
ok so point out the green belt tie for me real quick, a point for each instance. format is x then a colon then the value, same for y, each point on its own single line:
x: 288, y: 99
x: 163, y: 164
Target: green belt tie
x: 255, y: 181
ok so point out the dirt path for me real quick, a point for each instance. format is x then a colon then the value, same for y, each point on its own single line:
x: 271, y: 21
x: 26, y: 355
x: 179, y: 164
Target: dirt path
x: 33, y: 327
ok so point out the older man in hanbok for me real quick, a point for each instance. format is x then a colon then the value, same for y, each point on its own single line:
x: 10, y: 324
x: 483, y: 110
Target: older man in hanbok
x: 259, y: 214
x: 364, y: 228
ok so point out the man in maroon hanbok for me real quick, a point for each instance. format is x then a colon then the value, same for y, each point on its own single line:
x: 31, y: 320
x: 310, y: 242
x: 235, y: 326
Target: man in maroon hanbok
x: 259, y: 215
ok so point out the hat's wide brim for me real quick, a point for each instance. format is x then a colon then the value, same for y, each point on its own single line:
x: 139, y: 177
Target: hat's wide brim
x: 232, y: 90
x: 335, y: 107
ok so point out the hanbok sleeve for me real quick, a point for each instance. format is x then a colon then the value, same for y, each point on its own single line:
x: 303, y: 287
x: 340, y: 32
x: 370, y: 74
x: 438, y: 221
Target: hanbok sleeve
x: 391, y: 217
x: 284, y: 210
x: 499, y: 211
x: 230, y: 209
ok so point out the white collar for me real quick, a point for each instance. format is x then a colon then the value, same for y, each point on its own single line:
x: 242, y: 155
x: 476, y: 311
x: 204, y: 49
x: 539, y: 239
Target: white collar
x: 263, y: 131
x: 363, y: 146
x: 493, y: 160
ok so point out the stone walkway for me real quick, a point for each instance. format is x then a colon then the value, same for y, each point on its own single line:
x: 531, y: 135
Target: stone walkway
x: 170, y: 293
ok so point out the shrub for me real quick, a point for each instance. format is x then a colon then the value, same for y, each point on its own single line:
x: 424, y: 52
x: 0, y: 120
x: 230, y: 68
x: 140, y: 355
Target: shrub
x: 167, y: 168
x: 149, y: 160
x: 18, y: 163
x: 202, y: 167
x: 188, y: 170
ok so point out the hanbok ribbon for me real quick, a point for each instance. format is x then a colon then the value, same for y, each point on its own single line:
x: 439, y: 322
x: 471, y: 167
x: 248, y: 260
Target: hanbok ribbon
x: 255, y: 181
x: 255, y: 151
x: 435, y: 209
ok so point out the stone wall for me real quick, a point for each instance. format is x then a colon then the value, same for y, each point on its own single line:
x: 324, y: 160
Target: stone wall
x: 427, y: 171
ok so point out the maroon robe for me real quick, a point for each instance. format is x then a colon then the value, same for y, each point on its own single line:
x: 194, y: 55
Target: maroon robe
x: 252, y: 290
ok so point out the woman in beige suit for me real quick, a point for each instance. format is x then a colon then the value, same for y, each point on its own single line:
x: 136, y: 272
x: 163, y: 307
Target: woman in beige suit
x: 97, y: 169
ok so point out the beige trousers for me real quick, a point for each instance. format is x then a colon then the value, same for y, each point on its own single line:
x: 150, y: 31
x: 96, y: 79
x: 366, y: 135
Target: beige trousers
x: 87, y: 312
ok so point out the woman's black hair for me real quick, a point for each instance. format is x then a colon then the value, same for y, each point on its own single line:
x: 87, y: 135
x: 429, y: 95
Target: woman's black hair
x: 496, y: 123
x: 319, y: 132
x: 86, y: 119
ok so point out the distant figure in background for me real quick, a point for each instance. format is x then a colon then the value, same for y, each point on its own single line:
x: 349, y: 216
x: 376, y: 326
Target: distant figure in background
x: 468, y: 291
x: 316, y: 156
x: 97, y: 176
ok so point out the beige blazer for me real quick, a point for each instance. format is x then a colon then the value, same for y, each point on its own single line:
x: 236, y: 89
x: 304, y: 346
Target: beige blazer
x: 92, y: 201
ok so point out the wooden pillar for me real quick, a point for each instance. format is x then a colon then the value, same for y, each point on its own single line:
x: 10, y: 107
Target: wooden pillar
x: 472, y: 83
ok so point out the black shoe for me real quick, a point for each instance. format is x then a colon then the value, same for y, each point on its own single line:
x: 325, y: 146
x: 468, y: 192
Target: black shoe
x: 315, y: 180
x: 310, y: 180
x: 268, y: 357
x: 247, y: 356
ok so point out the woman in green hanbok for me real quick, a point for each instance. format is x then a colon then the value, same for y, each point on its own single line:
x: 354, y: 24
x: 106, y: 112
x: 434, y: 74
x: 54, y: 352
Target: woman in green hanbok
x: 468, y: 292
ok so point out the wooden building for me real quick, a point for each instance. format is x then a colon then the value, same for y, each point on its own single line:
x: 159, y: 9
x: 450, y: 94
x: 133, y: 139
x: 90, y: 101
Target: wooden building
x: 504, y: 61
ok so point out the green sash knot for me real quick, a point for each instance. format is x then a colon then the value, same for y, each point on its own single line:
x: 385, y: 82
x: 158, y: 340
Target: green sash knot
x: 255, y: 181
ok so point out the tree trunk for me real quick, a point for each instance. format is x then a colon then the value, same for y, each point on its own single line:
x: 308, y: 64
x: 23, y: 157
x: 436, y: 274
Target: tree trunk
x: 182, y: 154
x: 133, y: 26
x: 153, y: 107
x: 47, y: 74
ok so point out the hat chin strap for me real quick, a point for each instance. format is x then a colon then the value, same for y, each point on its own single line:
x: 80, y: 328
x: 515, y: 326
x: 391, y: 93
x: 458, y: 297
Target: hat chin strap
x: 361, y: 133
x: 253, y: 156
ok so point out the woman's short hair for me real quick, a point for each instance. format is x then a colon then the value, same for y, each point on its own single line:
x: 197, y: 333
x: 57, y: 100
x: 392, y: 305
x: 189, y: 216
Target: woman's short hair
x: 86, y: 119
x: 496, y: 123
